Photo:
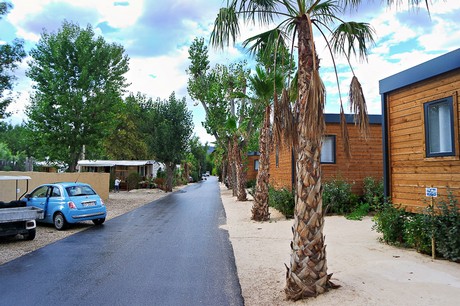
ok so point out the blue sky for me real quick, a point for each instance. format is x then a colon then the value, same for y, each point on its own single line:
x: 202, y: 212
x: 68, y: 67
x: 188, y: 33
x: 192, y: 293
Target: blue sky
x: 156, y: 35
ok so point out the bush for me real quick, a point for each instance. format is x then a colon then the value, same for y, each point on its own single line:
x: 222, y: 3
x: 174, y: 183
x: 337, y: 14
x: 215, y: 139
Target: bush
x: 358, y: 214
x: 338, y: 198
x: 282, y: 200
x: 251, y: 184
x: 446, y: 226
x: 417, y: 232
x: 373, y: 193
x: 390, y: 221
x: 133, y: 180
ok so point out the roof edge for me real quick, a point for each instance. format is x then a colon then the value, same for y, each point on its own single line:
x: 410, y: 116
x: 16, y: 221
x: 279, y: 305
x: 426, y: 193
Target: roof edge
x: 434, y: 67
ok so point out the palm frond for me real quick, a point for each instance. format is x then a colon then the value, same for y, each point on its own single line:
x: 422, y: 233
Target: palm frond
x: 358, y: 107
x: 261, y: 10
x: 325, y: 11
x: 226, y: 28
x: 315, y: 107
x: 265, y: 43
x: 349, y: 34
x: 284, y: 123
x: 345, y: 135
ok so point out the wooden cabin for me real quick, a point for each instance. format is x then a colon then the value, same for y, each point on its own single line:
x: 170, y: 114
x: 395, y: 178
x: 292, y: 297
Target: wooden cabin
x: 421, y: 132
x: 366, y: 156
x: 252, y: 166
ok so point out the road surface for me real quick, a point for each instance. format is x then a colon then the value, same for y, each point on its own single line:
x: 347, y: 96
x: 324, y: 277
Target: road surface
x: 168, y: 252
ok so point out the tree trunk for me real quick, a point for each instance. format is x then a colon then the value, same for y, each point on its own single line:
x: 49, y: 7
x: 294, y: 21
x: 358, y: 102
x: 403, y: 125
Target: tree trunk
x: 240, y: 173
x: 260, y: 210
x: 169, y: 176
x: 307, y: 275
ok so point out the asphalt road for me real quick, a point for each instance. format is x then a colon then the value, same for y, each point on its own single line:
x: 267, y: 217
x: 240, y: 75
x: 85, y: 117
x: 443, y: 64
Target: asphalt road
x: 169, y: 252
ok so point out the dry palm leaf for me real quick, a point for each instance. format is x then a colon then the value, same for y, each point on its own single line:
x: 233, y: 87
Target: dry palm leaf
x: 358, y: 107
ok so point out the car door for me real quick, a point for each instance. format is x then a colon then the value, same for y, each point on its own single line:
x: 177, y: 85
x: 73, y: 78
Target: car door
x: 39, y: 198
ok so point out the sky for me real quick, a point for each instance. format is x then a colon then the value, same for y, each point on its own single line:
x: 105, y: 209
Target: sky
x: 156, y: 35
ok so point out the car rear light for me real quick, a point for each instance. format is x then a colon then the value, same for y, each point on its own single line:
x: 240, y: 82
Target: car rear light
x: 72, y: 205
x: 102, y: 202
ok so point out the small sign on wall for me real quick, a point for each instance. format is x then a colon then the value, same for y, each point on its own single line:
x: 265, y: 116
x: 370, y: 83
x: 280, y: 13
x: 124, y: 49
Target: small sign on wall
x: 431, y: 192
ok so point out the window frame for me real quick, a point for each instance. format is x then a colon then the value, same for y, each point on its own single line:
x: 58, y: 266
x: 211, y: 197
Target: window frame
x: 450, y: 102
x: 256, y: 165
x: 334, y: 150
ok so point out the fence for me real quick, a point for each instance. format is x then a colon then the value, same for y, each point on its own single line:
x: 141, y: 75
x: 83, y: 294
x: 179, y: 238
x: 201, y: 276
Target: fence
x: 99, y: 181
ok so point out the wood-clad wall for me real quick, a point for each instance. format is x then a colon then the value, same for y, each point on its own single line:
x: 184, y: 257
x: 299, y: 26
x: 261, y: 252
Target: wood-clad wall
x: 410, y: 170
x: 366, y: 159
x: 251, y: 173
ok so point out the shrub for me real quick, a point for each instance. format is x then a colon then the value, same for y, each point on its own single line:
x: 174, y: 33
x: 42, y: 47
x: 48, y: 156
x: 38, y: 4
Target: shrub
x: 417, y: 232
x: 446, y: 226
x: 133, y: 180
x: 361, y: 211
x: 251, y: 184
x: 373, y: 193
x: 282, y: 200
x: 338, y: 198
x: 390, y: 221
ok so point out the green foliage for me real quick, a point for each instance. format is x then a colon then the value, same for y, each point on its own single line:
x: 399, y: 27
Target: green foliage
x: 128, y: 130
x: 416, y: 230
x: 282, y: 200
x: 133, y: 180
x: 338, y: 197
x: 446, y: 227
x: 251, y: 183
x: 78, y: 84
x: 390, y: 221
x: 361, y: 211
x: 168, y: 127
x: 11, y: 54
x: 373, y: 193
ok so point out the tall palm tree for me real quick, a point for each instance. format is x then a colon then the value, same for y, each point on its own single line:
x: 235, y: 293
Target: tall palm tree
x: 307, y: 274
x: 264, y: 85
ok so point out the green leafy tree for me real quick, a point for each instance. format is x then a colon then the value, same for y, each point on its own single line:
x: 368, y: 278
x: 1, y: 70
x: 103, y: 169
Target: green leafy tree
x: 79, y: 80
x: 10, y: 56
x: 221, y: 90
x: 128, y: 141
x: 169, y: 126
x: 196, y: 158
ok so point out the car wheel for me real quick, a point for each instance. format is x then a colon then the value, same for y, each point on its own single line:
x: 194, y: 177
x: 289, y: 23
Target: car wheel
x: 59, y: 221
x: 98, y: 221
x: 30, y: 234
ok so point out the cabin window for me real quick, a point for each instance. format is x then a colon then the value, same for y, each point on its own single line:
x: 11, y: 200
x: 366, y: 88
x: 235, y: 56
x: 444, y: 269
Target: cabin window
x: 328, y: 150
x: 256, y: 165
x: 439, y: 128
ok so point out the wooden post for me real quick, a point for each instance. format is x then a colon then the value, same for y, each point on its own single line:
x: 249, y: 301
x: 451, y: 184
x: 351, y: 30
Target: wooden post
x: 433, y: 255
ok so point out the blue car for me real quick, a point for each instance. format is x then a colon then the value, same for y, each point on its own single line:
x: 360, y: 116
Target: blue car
x: 65, y: 203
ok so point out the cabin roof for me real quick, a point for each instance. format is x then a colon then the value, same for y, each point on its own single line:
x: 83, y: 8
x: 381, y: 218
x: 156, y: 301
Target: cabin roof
x: 439, y: 65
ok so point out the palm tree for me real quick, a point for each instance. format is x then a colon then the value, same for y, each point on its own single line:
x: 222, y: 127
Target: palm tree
x: 264, y: 85
x: 307, y: 274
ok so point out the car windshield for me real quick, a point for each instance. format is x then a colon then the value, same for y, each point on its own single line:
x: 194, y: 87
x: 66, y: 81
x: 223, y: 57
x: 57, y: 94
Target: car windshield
x: 80, y: 190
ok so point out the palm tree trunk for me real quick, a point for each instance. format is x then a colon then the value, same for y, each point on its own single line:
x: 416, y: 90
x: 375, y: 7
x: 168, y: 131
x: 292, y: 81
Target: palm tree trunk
x: 260, y: 210
x: 239, y: 171
x: 307, y: 275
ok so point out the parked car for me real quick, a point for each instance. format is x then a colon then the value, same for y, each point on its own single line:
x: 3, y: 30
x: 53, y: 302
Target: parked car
x: 67, y: 202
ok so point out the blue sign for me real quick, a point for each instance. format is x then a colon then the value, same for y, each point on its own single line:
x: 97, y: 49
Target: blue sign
x: 431, y: 192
